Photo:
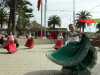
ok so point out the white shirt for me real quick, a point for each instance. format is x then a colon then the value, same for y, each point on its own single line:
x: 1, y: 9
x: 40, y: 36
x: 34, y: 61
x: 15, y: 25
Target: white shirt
x: 29, y: 36
x: 11, y: 37
x: 73, y: 39
x: 59, y: 37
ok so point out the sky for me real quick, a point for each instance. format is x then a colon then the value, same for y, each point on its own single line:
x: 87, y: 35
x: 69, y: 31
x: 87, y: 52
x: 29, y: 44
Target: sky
x: 64, y: 9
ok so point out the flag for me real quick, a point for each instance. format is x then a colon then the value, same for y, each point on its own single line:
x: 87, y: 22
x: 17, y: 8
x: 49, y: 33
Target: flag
x: 38, y: 4
x: 89, y: 20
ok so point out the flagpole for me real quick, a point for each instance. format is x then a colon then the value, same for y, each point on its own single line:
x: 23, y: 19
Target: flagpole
x: 41, y: 18
x: 45, y: 19
x: 74, y: 12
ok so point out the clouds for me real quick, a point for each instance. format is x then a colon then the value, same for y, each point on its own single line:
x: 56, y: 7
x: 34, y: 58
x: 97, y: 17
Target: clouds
x: 65, y: 5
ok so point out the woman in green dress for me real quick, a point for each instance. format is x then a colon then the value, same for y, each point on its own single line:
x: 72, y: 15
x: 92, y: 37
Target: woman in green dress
x: 76, y: 58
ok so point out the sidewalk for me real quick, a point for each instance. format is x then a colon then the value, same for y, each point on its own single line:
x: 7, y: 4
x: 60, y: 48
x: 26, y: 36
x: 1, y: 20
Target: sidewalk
x: 33, y: 62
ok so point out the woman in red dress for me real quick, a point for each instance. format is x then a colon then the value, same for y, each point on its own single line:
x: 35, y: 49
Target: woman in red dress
x: 59, y: 42
x: 30, y: 41
x: 9, y: 44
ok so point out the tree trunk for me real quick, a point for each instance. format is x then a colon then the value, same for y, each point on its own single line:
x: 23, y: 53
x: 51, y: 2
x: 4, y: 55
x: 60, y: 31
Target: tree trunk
x: 80, y: 28
x: 10, y: 19
x: 83, y: 26
x: 53, y: 26
x: 1, y: 21
x: 1, y: 24
x: 14, y: 16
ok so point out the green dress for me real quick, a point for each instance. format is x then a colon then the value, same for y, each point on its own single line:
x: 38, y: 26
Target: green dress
x: 77, y: 58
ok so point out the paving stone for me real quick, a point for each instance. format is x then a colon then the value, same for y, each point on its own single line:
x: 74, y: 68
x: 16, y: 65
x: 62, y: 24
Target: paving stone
x: 33, y: 62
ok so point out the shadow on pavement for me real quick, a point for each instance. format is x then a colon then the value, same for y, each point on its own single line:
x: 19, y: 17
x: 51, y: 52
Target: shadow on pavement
x: 48, y: 51
x: 46, y: 48
x: 42, y: 51
x: 45, y: 72
x: 23, y: 48
x: 32, y: 51
x: 51, y: 51
x: 4, y: 53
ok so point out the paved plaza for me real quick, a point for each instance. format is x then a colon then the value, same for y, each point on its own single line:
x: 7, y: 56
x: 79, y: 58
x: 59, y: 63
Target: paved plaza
x: 33, y: 62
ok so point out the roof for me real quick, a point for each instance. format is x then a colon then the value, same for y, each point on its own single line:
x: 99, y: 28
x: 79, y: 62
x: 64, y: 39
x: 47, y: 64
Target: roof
x: 56, y: 29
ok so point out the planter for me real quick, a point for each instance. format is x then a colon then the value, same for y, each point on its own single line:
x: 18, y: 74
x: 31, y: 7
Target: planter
x: 49, y: 37
x: 2, y: 35
x: 21, y: 36
x: 39, y: 37
x: 96, y: 38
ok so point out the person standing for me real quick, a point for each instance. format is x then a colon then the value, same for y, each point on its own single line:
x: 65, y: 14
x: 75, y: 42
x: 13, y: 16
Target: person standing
x: 9, y: 44
x: 2, y: 40
x: 76, y: 58
x: 21, y: 33
x: 48, y: 34
x: 35, y: 34
x: 6, y: 35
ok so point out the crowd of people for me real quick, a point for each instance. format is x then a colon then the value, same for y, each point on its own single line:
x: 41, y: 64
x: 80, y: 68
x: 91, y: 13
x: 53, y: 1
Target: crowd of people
x: 77, y: 57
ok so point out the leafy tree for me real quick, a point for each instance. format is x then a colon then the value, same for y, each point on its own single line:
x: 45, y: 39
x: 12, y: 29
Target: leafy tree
x: 3, y: 17
x: 19, y: 5
x: 35, y: 26
x: 23, y: 17
x: 82, y: 15
x: 12, y: 5
x: 54, y: 20
x: 7, y: 4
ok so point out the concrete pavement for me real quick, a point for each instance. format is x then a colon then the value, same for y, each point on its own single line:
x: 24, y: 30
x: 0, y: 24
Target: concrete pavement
x: 33, y: 62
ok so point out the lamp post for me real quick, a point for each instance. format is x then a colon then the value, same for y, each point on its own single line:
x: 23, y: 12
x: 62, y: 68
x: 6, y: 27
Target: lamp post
x: 74, y: 12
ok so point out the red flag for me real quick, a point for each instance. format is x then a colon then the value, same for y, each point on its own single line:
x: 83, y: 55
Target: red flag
x: 81, y: 20
x: 38, y: 6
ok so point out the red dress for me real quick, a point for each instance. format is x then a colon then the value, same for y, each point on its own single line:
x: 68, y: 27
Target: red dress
x: 9, y: 44
x: 30, y: 42
x: 59, y: 43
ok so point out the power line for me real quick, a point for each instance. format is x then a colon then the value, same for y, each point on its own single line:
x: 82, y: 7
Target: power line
x: 95, y: 7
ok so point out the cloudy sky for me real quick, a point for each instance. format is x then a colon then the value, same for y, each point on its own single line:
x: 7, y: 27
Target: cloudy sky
x: 64, y: 9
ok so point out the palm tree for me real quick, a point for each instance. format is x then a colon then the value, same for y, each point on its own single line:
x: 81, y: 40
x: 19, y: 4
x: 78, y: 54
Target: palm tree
x: 82, y: 15
x: 54, y: 20
x: 98, y: 27
x: 78, y: 25
x: 3, y: 17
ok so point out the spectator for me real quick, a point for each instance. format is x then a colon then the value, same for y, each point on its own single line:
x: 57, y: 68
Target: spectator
x: 6, y: 35
x: 21, y: 33
x: 32, y: 34
x: 27, y: 35
x: 35, y: 34
x: 2, y: 40
x: 48, y: 34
